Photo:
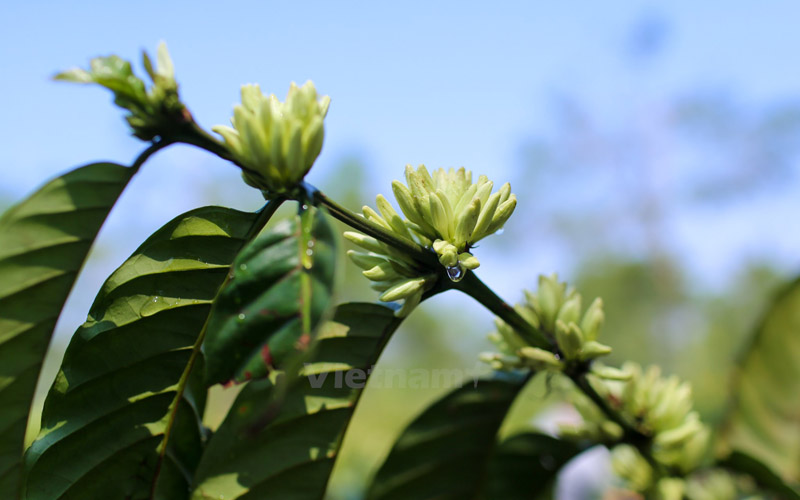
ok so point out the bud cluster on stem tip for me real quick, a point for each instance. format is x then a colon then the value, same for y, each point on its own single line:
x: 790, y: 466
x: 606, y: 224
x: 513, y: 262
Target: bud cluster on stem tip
x: 555, y: 310
x: 662, y: 408
x: 705, y: 484
x: 152, y: 112
x: 446, y: 211
x: 276, y: 142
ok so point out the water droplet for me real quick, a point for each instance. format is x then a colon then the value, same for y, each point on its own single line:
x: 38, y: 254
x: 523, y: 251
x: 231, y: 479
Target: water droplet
x: 243, y: 267
x: 499, y: 231
x: 150, y: 307
x: 305, y: 207
x: 242, y: 316
x: 309, y: 252
x: 310, y: 243
x: 455, y: 273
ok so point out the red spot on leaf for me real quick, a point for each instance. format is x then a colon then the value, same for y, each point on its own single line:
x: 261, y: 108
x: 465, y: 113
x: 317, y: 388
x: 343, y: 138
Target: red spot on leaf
x: 266, y: 356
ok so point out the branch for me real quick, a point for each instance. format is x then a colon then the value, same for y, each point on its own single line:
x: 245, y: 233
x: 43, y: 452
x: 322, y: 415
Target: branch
x: 478, y: 290
x: 424, y: 256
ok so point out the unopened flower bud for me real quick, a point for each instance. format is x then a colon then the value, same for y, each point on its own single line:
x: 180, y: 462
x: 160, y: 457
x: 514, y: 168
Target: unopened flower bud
x: 276, y: 142
x: 539, y: 359
x: 592, y: 350
x: 570, y: 310
x: 569, y: 338
x: 593, y: 319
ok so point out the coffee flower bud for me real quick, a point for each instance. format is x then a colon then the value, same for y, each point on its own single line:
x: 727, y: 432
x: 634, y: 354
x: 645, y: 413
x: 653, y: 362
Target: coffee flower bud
x: 152, y: 112
x: 661, y: 408
x: 446, y: 211
x: 539, y: 359
x: 276, y: 142
x: 556, y: 310
x: 670, y: 488
x: 631, y: 467
x: 393, y: 274
x: 500, y: 362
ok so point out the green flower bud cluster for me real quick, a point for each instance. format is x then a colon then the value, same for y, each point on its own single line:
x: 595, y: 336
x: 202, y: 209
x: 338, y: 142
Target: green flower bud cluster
x: 633, y: 469
x: 660, y: 407
x: 154, y: 111
x: 276, y: 142
x: 446, y: 211
x: 391, y: 272
x: 556, y: 310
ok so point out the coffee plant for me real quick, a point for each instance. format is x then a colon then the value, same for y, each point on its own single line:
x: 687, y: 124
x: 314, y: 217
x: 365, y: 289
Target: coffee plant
x: 216, y: 296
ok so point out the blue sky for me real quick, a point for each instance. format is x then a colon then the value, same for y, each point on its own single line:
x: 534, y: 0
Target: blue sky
x: 446, y: 84
x: 450, y: 83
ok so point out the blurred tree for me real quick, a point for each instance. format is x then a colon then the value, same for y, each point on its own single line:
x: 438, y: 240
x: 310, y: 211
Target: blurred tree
x: 608, y: 194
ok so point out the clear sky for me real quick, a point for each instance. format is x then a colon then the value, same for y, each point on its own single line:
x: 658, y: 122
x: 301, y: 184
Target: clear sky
x: 444, y: 83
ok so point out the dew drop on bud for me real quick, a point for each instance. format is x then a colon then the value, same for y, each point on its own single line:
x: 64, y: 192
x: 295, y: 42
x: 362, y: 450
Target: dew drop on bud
x: 455, y: 273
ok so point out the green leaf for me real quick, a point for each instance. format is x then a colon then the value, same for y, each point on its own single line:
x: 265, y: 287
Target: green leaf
x: 279, y: 294
x: 451, y: 450
x: 764, y: 420
x: 44, y: 242
x: 260, y: 452
x: 130, y: 379
x: 524, y: 466
x: 764, y: 477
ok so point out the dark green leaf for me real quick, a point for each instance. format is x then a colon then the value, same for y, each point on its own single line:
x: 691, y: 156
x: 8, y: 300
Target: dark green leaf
x: 451, y: 450
x: 765, y: 416
x: 130, y: 378
x: 764, y: 477
x: 44, y: 241
x: 524, y: 466
x: 280, y: 292
x: 259, y: 452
